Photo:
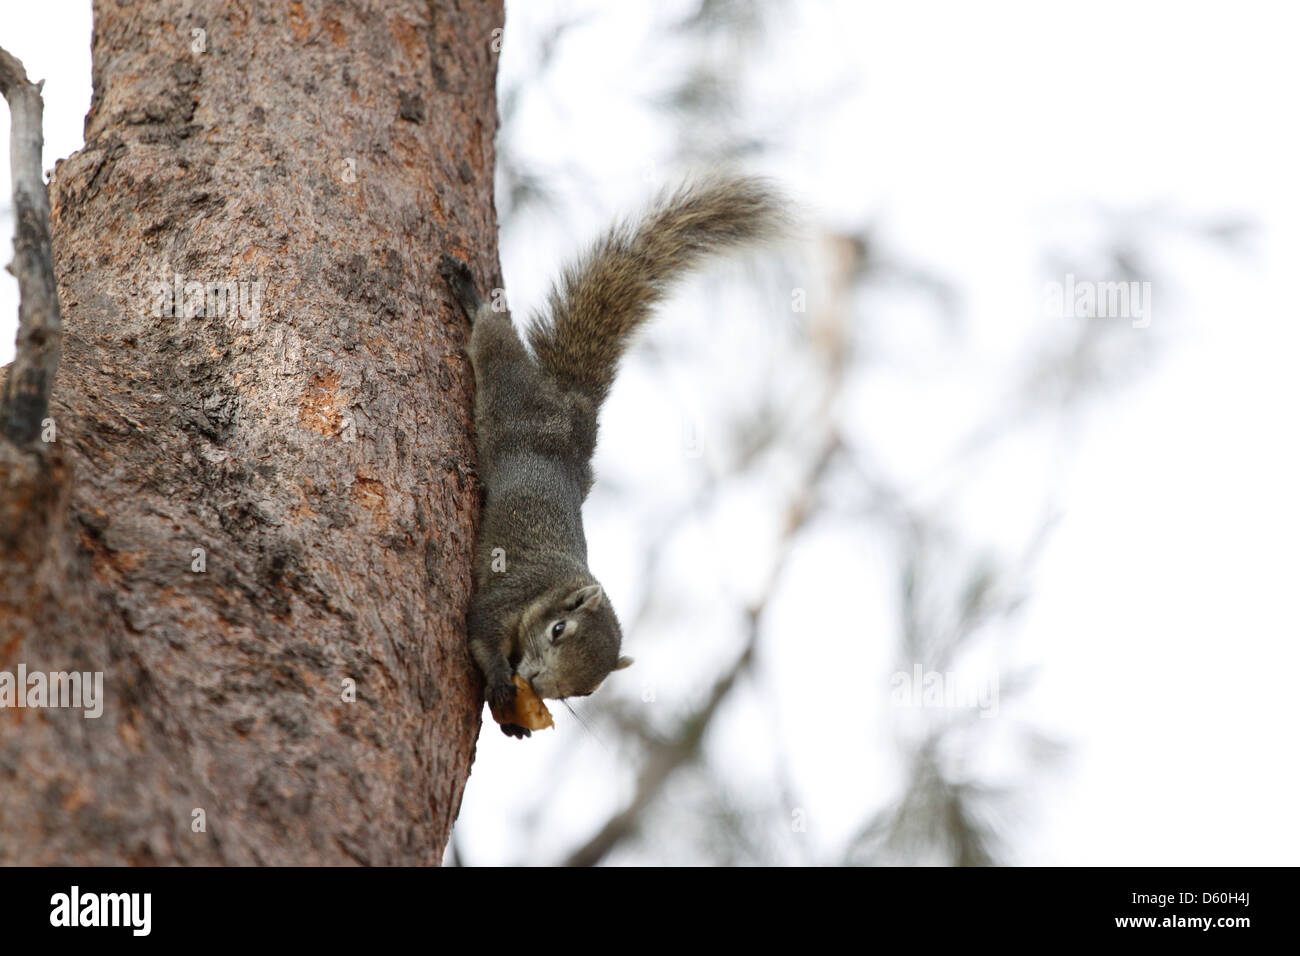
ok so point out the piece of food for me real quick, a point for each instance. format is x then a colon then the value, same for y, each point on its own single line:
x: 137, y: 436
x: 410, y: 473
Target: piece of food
x: 529, y: 710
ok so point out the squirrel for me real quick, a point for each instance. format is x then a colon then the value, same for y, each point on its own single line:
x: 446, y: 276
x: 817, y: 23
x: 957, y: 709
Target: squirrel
x: 536, y: 608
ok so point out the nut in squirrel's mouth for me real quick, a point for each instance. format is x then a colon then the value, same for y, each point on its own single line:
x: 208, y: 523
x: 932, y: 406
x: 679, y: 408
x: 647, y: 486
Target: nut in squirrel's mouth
x: 528, y: 710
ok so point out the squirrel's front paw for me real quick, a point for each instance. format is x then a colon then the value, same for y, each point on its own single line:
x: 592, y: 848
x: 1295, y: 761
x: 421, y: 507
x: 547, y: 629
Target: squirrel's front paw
x: 501, y: 695
x: 514, y: 730
x: 461, y: 280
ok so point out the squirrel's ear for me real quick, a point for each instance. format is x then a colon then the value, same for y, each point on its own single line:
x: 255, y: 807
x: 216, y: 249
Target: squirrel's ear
x: 585, y: 599
x: 622, y: 663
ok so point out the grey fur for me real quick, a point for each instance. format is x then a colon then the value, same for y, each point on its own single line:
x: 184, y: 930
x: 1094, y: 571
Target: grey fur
x: 536, y: 417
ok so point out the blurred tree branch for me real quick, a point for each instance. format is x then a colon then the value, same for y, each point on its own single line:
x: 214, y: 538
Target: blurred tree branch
x: 957, y: 593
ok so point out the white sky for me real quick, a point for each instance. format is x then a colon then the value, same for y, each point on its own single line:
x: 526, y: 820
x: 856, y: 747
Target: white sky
x: 1163, y: 624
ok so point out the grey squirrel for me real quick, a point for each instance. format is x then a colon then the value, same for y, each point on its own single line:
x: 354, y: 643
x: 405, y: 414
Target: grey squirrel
x: 537, y: 610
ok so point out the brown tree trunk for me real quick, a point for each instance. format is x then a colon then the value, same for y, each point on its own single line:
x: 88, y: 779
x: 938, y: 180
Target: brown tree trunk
x: 244, y: 512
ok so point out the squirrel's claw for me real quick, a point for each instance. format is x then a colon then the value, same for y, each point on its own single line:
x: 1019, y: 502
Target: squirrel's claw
x: 501, y: 698
x: 501, y: 695
x: 461, y: 281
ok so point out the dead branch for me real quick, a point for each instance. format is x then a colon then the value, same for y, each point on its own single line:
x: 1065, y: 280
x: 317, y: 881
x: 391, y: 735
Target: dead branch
x: 25, y: 401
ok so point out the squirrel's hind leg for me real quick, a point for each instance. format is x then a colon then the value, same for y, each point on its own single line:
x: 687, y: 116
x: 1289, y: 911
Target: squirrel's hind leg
x: 461, y: 282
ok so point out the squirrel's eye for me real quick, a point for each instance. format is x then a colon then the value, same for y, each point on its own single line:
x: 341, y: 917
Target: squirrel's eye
x: 556, y: 631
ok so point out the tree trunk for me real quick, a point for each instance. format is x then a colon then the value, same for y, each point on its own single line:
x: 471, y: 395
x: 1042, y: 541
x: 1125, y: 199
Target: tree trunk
x: 247, y: 507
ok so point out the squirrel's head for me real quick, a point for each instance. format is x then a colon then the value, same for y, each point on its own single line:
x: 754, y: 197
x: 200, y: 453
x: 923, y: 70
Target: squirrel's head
x: 570, y: 642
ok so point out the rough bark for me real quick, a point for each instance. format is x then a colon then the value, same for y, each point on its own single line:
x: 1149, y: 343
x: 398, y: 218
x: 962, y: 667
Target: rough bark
x: 318, y: 453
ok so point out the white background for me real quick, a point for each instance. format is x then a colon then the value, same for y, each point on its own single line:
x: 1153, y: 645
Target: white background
x: 1163, y: 622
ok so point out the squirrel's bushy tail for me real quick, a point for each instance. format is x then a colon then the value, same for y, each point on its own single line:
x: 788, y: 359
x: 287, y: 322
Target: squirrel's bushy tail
x: 601, y: 299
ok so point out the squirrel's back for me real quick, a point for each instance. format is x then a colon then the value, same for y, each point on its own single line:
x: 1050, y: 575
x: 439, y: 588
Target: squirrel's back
x: 547, y: 619
x: 601, y: 299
